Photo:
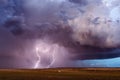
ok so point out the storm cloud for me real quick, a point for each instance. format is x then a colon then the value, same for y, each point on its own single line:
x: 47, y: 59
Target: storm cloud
x: 57, y: 33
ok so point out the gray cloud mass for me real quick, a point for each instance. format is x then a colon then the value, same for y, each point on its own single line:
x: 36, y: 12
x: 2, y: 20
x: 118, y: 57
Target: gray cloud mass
x: 57, y: 33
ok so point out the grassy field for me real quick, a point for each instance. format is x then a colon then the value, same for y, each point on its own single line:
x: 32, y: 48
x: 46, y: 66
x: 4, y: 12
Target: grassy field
x: 61, y: 74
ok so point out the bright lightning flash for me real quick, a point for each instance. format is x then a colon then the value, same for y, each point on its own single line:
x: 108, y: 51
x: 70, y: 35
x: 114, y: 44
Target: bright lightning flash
x: 38, y: 61
x: 46, y: 54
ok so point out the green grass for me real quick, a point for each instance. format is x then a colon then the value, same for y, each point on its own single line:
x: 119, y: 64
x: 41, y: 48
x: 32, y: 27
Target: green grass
x: 61, y: 74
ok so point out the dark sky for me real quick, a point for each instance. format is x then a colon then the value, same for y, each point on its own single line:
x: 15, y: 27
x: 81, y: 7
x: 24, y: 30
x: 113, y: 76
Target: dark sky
x: 57, y: 28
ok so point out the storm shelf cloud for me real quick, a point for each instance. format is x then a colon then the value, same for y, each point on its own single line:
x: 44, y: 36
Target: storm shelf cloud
x: 59, y: 33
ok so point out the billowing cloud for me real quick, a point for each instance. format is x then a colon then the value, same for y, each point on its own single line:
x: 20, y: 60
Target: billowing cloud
x: 57, y: 33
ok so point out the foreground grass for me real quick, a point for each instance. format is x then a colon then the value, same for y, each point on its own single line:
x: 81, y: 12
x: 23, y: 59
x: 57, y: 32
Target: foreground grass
x: 61, y: 73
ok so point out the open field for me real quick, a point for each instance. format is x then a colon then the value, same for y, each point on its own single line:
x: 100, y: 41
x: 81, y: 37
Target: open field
x: 61, y: 73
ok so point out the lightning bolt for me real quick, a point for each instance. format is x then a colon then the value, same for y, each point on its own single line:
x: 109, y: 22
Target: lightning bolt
x: 53, y: 57
x: 38, y: 61
x: 47, y: 50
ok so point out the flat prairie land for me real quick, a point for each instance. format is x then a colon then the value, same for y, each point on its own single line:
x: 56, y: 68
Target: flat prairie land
x: 61, y: 74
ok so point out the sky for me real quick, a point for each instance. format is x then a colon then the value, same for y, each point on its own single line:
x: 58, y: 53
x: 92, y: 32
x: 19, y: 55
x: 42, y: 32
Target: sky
x: 59, y: 33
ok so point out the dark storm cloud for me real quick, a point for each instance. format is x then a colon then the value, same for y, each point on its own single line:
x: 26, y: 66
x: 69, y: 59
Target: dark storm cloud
x: 12, y: 51
x: 81, y: 2
x: 31, y: 22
